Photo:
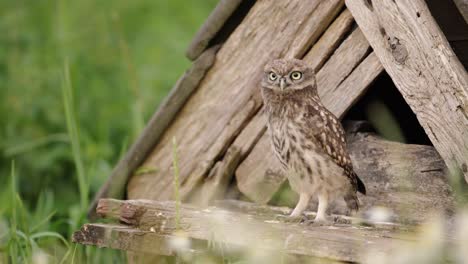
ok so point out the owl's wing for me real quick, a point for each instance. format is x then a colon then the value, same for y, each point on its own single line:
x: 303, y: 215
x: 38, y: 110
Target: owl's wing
x: 330, y: 136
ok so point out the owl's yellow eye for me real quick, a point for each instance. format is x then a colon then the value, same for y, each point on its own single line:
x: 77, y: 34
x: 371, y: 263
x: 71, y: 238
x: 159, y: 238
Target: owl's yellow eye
x: 272, y: 76
x: 296, y: 75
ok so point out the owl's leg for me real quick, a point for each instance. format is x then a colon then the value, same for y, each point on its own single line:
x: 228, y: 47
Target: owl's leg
x: 296, y: 216
x: 301, y: 205
x: 322, y: 208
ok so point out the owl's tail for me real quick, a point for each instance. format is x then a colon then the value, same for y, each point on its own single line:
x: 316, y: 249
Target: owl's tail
x: 352, y: 202
x: 360, y: 185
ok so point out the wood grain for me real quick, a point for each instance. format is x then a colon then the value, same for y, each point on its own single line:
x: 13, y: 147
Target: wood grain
x: 327, y: 44
x: 410, y: 180
x: 424, y: 68
x: 227, y: 98
x: 348, y: 55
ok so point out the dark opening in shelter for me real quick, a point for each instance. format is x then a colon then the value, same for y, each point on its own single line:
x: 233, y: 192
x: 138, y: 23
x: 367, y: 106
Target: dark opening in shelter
x: 389, y: 114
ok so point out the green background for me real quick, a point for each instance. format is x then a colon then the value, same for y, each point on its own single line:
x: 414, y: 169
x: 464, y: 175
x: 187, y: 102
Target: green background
x: 123, y: 58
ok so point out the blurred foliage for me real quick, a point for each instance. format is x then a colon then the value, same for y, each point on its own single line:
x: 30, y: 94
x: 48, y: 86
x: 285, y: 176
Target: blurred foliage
x: 123, y: 57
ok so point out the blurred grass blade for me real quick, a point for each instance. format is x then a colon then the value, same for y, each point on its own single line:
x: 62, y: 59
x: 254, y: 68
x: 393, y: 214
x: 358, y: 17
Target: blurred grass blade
x: 50, y: 234
x: 43, y: 221
x: 13, y: 242
x: 384, y: 121
x: 13, y: 223
x: 37, y: 143
x: 74, y: 253
x: 74, y: 136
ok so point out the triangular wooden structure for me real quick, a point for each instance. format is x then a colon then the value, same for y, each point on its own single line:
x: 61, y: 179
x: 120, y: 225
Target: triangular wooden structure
x: 215, y: 111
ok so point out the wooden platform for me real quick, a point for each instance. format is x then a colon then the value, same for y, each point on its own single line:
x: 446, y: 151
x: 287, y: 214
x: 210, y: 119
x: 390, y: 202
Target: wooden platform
x: 155, y: 227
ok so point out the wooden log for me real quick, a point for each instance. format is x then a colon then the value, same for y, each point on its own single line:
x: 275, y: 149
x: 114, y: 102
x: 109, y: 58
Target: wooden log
x: 229, y: 96
x: 213, y: 24
x: 114, y: 187
x: 410, y: 180
x: 249, y: 228
x: 259, y: 175
x: 418, y: 58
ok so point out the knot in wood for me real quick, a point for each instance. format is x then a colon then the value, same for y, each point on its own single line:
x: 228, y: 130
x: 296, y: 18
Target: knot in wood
x: 399, y: 51
x: 368, y: 4
x: 131, y: 214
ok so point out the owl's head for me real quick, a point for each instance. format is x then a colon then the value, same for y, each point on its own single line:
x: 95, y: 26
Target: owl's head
x: 288, y: 75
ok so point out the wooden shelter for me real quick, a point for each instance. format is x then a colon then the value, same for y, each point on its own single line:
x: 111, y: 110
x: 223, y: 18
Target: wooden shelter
x: 215, y: 114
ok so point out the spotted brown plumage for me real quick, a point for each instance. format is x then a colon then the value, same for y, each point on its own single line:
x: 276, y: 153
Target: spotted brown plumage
x: 308, y: 140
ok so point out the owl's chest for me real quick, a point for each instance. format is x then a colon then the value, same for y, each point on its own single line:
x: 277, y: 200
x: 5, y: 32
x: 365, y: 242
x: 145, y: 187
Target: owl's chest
x: 288, y: 140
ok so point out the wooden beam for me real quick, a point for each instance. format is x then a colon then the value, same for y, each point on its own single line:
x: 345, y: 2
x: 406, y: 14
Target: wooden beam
x: 153, y: 228
x: 213, y: 24
x: 331, y: 39
x: 114, y: 187
x: 228, y: 97
x: 417, y: 56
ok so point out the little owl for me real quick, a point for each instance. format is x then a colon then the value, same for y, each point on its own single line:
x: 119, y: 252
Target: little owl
x: 308, y: 140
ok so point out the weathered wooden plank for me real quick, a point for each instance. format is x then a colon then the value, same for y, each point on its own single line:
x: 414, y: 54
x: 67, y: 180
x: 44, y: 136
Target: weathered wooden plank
x: 214, y: 186
x: 452, y: 23
x: 418, y: 58
x: 130, y: 239
x: 114, y: 187
x: 354, y: 86
x: 330, y: 40
x: 410, y: 180
x: 148, y: 246
x: 315, y: 25
x: 213, y: 24
x: 259, y: 175
x: 236, y: 231
x: 228, y: 95
x: 348, y: 55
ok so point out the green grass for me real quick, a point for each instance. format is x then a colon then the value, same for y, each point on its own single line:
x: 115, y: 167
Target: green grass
x: 78, y: 81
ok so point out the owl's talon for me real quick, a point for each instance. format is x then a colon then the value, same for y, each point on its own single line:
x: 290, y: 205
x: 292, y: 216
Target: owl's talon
x: 292, y: 219
x: 340, y: 220
x: 319, y: 222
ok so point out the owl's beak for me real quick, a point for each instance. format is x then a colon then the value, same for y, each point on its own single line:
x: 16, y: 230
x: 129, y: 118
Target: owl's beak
x: 282, y: 84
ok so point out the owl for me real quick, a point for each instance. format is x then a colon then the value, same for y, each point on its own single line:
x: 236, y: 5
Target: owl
x: 307, y: 139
